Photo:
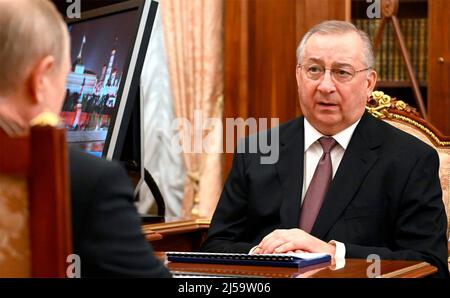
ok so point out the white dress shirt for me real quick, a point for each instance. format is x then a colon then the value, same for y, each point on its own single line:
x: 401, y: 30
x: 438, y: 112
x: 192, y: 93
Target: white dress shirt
x: 312, y: 153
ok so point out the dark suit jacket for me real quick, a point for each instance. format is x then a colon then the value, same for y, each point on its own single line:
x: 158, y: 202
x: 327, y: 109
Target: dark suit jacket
x: 385, y: 197
x: 106, y: 227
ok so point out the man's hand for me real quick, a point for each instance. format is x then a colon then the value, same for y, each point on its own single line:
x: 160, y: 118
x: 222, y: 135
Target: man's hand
x: 293, y: 240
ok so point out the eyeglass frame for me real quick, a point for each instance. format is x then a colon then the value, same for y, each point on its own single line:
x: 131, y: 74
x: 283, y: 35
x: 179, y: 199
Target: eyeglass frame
x: 301, y: 66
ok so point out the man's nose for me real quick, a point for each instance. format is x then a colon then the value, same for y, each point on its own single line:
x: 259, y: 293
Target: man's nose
x: 327, y: 85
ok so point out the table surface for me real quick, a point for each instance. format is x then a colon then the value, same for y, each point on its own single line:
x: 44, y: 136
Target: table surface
x: 349, y: 268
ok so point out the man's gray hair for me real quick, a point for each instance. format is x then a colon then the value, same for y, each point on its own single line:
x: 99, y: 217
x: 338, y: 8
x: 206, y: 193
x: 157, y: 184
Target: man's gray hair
x: 29, y: 31
x: 339, y: 27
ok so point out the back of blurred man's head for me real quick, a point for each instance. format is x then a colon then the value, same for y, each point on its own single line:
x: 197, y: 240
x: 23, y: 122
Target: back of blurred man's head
x: 34, y: 57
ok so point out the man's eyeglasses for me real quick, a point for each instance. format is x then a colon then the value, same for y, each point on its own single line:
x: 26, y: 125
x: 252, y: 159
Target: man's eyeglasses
x: 341, y: 74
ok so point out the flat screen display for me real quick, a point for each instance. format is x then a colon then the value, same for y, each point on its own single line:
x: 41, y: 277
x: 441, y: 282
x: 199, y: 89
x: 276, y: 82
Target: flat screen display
x: 100, y: 50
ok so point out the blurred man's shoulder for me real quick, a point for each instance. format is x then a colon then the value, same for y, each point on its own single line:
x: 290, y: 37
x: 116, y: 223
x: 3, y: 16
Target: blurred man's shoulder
x: 80, y: 162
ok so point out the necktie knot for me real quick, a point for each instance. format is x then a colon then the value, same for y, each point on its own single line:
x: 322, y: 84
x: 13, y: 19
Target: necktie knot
x: 327, y: 144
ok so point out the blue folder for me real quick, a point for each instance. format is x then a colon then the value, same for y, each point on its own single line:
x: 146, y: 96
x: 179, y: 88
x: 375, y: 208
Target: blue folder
x: 281, y: 260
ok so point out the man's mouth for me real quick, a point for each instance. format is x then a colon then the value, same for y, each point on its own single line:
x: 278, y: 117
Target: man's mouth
x: 327, y: 104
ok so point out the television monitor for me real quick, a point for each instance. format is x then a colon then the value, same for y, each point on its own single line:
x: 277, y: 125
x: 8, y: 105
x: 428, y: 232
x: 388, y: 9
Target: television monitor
x: 102, y: 109
x: 108, y: 48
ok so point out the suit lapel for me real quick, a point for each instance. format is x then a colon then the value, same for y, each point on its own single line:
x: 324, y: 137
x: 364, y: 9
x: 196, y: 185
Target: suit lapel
x: 359, y: 157
x: 290, y: 172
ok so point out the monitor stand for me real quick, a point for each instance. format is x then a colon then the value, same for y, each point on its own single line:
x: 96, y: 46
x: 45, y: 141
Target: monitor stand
x: 161, y: 206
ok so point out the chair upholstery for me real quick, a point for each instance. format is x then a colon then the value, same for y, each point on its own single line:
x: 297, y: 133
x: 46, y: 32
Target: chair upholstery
x: 406, y: 118
x: 35, y: 225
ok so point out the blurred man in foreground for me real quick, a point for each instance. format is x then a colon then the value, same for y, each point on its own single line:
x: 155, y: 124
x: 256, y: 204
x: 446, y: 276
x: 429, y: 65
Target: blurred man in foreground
x: 35, y: 60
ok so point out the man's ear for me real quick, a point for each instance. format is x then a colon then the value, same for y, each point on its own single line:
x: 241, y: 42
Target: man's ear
x: 371, y: 81
x: 298, y: 71
x: 40, y: 78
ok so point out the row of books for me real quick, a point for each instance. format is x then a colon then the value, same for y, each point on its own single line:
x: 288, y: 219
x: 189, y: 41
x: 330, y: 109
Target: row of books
x: 389, y: 62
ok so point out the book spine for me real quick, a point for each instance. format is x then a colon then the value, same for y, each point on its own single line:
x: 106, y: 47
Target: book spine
x: 378, y: 54
x: 409, y: 45
x: 422, y: 50
x: 415, y: 54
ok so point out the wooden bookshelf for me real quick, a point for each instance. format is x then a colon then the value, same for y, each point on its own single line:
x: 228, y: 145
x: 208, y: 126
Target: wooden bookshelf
x: 409, y: 9
x: 425, y: 27
x: 389, y: 62
x: 397, y: 84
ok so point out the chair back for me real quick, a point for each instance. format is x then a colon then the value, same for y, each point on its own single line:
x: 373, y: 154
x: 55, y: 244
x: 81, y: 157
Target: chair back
x: 35, y: 216
x: 406, y: 118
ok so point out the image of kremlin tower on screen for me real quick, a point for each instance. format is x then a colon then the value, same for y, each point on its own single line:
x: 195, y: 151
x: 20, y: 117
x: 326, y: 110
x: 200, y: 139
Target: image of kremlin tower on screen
x: 90, y: 96
x: 90, y: 99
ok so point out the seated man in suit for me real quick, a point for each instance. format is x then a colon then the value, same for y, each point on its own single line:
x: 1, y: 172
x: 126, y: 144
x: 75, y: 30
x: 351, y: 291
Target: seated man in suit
x: 345, y: 183
x: 35, y: 60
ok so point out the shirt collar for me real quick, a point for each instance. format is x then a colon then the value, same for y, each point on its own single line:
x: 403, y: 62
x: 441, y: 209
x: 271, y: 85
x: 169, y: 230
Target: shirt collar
x: 342, y: 138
